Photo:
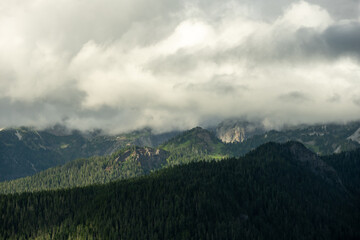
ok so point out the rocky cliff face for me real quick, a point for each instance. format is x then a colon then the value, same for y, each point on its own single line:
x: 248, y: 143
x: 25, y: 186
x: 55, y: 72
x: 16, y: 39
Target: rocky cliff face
x: 231, y: 131
x: 148, y: 158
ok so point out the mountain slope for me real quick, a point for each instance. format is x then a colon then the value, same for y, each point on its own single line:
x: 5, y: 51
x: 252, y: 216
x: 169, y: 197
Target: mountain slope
x: 197, y: 140
x: 347, y: 165
x: 268, y: 194
x: 129, y: 162
x: 26, y: 151
x: 323, y: 139
x: 193, y: 145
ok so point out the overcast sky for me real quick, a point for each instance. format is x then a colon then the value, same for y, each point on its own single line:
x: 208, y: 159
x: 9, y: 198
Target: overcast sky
x: 175, y: 64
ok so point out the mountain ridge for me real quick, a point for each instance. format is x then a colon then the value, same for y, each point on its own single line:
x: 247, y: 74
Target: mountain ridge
x: 126, y: 163
x: 26, y: 151
x: 266, y: 194
x: 136, y: 161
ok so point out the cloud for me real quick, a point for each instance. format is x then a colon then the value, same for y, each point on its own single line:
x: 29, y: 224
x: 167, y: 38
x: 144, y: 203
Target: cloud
x: 123, y: 65
x: 294, y: 97
x: 334, y: 98
x: 356, y: 100
x: 344, y: 38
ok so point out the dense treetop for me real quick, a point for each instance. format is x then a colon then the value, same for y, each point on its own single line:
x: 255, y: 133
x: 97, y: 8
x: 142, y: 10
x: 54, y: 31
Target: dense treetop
x: 278, y: 191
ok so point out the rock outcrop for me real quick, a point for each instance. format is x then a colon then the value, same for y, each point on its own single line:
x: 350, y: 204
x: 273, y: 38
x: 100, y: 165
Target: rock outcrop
x: 231, y: 131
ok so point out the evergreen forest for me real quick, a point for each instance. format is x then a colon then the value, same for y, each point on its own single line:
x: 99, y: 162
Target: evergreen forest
x: 277, y: 191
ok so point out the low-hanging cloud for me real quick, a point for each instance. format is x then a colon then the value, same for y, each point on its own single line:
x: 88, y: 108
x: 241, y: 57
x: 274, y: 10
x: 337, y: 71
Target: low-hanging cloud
x: 122, y: 65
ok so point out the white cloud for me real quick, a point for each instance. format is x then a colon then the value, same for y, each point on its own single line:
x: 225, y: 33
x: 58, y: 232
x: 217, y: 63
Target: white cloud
x: 304, y: 15
x: 122, y: 65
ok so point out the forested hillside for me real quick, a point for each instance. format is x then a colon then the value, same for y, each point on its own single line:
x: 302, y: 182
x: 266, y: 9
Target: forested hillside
x: 347, y: 165
x: 278, y: 191
x: 126, y: 163
x: 25, y: 151
x: 194, y: 145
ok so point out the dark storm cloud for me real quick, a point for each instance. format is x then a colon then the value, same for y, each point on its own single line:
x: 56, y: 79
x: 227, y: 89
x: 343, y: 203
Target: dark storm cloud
x: 344, y: 39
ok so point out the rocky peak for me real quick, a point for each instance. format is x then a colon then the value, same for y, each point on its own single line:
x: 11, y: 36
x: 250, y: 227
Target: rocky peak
x: 231, y: 131
x: 147, y: 157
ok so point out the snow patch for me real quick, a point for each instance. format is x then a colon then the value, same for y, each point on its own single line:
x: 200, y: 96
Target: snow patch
x: 18, y: 135
x: 33, y: 167
x: 316, y: 133
x: 1, y: 129
x: 42, y: 146
x: 338, y: 149
x: 355, y: 136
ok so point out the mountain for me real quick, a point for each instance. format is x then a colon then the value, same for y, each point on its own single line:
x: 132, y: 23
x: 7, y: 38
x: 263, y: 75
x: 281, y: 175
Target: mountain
x: 25, y: 151
x: 196, y: 140
x: 277, y: 191
x: 347, y: 165
x: 233, y: 130
x: 305, y: 158
x: 193, y: 145
x: 323, y: 139
x: 126, y: 163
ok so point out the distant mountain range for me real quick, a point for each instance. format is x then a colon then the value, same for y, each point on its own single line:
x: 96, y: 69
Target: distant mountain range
x: 277, y: 191
x: 323, y: 139
x: 26, y: 151
x: 126, y: 163
x: 193, y: 145
x: 190, y: 146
